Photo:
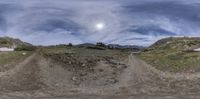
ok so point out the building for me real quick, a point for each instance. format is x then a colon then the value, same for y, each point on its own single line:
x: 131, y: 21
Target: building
x: 5, y: 49
x: 196, y: 50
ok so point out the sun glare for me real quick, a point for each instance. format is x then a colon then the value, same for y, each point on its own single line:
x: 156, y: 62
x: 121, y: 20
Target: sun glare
x: 99, y: 26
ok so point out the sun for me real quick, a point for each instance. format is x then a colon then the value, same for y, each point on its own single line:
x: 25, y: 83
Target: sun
x: 99, y: 26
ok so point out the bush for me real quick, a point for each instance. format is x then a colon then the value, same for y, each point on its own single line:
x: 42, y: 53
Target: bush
x: 3, y: 41
x: 25, y: 48
x: 100, y: 44
x: 95, y: 47
x: 70, y: 44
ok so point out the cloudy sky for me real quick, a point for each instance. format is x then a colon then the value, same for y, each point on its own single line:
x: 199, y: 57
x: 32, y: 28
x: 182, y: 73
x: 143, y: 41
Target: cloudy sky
x: 134, y: 22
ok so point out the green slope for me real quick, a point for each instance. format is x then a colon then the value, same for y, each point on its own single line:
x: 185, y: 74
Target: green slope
x: 174, y: 54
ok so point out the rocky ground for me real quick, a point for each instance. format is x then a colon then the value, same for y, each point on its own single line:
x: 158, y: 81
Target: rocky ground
x: 87, y: 74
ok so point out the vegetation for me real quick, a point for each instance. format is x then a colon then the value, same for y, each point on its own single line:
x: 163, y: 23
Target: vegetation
x: 9, y: 59
x: 10, y: 42
x: 81, y: 52
x: 96, y: 47
x: 100, y: 44
x: 174, y: 54
x: 25, y: 48
x: 5, y: 42
x: 56, y: 50
x: 70, y: 44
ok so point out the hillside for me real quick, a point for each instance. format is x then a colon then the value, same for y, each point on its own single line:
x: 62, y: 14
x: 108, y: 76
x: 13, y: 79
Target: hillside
x: 177, y: 43
x: 174, y: 54
x: 11, y: 42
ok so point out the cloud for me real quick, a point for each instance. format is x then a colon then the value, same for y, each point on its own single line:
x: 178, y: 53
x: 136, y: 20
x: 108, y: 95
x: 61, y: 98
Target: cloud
x: 135, y: 22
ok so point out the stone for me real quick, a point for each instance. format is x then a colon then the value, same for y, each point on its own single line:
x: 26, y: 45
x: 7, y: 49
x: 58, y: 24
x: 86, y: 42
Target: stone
x: 113, y: 81
x: 74, y: 78
x: 24, y: 53
x: 83, y: 74
x: 83, y: 65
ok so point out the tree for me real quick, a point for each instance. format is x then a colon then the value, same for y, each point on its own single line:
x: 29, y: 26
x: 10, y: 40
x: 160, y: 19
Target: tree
x: 70, y: 44
x: 100, y: 44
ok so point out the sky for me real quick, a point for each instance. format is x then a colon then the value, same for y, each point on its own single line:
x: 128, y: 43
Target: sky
x: 125, y: 22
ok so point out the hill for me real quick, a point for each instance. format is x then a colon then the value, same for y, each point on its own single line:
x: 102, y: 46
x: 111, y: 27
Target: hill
x: 177, y: 43
x: 174, y: 54
x: 11, y: 42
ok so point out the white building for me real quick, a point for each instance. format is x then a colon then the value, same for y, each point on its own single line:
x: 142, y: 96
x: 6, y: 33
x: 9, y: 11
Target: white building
x: 5, y: 49
x: 197, y: 50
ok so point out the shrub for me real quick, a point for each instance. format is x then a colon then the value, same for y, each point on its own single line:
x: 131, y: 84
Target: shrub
x: 95, y: 47
x: 100, y: 44
x: 70, y: 44
x: 25, y: 48
x: 3, y: 41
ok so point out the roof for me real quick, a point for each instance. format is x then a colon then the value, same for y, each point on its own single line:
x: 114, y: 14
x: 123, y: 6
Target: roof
x: 6, y: 49
x: 197, y: 49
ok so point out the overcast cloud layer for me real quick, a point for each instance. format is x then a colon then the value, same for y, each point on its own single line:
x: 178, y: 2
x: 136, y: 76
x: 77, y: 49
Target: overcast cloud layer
x: 134, y: 22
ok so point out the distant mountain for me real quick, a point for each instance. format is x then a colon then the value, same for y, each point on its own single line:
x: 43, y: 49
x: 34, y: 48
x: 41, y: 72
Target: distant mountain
x: 113, y: 46
x: 11, y: 42
x: 86, y: 45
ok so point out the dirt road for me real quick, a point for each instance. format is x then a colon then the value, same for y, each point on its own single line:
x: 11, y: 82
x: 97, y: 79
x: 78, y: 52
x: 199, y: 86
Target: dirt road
x: 36, y: 78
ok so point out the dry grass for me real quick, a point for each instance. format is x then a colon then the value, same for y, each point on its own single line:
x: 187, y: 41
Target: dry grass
x: 173, y: 55
x: 10, y: 59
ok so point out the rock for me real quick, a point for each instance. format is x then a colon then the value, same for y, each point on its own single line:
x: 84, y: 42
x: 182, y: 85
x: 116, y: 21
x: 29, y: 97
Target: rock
x: 114, y: 62
x: 126, y: 66
x: 24, y: 53
x: 83, y: 65
x: 83, y: 74
x: 74, y: 78
x: 101, y: 70
x: 113, y: 81
x: 89, y: 61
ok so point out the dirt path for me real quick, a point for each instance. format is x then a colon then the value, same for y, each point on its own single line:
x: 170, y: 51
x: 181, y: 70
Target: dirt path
x: 25, y: 76
x: 18, y: 67
x: 106, y: 97
x: 38, y: 77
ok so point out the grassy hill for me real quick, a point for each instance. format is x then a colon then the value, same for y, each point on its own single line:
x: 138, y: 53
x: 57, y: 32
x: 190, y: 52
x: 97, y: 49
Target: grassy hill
x: 10, y: 42
x: 174, y: 54
x: 16, y: 43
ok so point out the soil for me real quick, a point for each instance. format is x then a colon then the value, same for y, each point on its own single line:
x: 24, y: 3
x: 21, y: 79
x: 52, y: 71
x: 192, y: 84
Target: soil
x: 42, y: 77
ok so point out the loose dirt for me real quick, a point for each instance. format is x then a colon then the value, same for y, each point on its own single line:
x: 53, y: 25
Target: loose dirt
x: 39, y: 77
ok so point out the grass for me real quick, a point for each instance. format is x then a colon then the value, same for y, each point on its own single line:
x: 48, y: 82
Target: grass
x: 56, y: 50
x: 82, y: 52
x: 174, y: 62
x: 173, y: 55
x: 10, y: 59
